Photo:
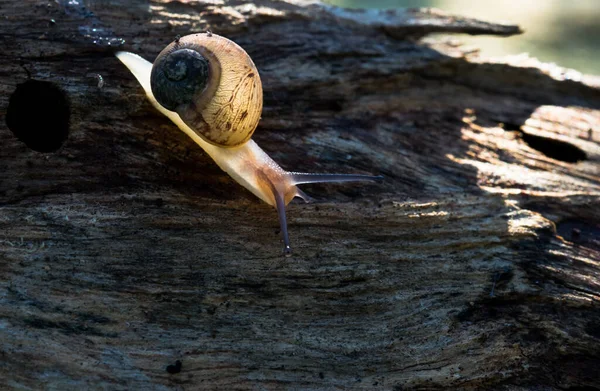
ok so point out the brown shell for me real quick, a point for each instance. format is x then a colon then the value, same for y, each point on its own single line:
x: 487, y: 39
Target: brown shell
x: 227, y: 109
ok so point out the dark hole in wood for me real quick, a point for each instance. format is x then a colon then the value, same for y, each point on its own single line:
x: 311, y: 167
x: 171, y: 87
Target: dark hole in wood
x: 38, y: 114
x: 511, y: 127
x: 174, y: 368
x: 552, y: 148
x: 581, y: 232
x: 555, y: 149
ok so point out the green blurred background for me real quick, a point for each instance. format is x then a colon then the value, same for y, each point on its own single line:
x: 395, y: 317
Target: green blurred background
x: 565, y: 32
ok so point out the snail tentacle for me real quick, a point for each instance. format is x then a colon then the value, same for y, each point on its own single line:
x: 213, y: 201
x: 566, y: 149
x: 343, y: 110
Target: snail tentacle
x: 298, y: 178
x: 305, y: 197
x: 280, y: 206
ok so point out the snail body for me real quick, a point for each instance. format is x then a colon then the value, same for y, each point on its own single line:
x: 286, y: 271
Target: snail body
x: 209, y: 87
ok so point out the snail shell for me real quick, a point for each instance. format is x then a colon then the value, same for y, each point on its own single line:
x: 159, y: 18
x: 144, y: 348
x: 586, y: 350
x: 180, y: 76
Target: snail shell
x: 212, y: 84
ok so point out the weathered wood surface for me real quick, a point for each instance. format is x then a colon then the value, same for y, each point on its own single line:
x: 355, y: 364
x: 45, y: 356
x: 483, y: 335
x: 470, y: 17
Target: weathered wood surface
x: 475, y: 264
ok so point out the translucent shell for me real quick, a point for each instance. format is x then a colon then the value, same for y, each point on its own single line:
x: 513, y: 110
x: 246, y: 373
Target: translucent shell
x: 213, y: 85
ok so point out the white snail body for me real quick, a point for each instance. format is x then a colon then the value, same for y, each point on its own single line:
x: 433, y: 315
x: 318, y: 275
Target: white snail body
x: 242, y: 158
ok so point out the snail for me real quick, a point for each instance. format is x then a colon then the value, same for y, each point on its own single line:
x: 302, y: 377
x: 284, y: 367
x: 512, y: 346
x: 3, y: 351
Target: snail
x: 210, y: 88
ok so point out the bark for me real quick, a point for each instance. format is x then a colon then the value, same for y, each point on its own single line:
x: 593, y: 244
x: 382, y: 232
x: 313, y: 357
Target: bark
x: 475, y: 264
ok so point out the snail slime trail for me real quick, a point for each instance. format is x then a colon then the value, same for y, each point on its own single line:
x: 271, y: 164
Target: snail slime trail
x: 210, y: 88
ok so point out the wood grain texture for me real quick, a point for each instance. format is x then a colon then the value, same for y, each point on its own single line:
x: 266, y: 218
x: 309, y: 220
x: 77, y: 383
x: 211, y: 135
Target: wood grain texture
x: 474, y: 265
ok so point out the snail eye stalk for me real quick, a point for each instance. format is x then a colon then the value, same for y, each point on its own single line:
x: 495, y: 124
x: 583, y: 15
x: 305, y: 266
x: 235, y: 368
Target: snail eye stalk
x: 280, y: 206
x: 299, y: 178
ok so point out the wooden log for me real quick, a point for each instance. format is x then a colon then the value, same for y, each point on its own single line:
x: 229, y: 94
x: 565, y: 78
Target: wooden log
x: 124, y: 249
